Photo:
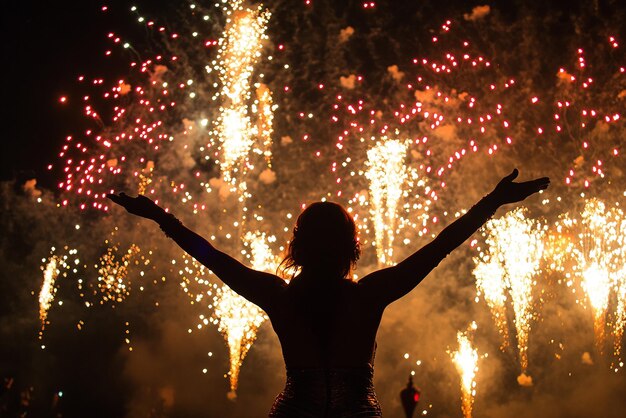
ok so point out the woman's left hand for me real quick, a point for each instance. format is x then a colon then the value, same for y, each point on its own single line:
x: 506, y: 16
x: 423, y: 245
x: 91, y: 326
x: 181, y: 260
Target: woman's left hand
x: 508, y: 191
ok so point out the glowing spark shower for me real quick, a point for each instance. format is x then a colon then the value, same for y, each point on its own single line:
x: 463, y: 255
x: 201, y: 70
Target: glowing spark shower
x: 596, y: 254
x: 48, y: 289
x: 465, y: 360
x: 238, y: 320
x: 112, y: 279
x: 387, y: 175
x: 490, y: 285
x: 240, y: 49
x: 515, y: 242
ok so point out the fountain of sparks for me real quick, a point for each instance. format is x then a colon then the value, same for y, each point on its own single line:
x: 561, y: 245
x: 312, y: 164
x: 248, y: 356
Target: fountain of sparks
x: 489, y: 274
x: 55, y: 266
x: 596, y: 248
x: 515, y: 244
x: 387, y: 175
x: 237, y: 318
x: 48, y: 289
x: 240, y: 49
x: 465, y: 360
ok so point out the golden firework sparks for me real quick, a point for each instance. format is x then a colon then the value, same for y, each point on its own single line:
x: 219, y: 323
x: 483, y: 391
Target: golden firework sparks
x: 516, y: 244
x: 237, y: 318
x: 387, y: 176
x: 597, y: 252
x: 54, y: 266
x: 240, y: 49
x: 48, y: 289
x: 490, y: 285
x: 112, y: 274
x: 465, y: 360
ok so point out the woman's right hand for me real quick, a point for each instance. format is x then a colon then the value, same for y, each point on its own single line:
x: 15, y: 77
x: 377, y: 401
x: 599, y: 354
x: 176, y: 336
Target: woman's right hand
x: 140, y: 205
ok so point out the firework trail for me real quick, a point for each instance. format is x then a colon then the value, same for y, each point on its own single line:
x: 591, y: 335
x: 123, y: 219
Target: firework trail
x: 465, y: 360
x: 516, y: 244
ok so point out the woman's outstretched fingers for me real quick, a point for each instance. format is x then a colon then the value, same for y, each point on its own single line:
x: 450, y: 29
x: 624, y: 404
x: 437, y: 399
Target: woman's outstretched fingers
x: 544, y: 182
x: 535, y: 186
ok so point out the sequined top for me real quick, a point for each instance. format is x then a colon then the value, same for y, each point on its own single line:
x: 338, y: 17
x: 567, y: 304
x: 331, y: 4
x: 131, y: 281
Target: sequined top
x: 328, y: 393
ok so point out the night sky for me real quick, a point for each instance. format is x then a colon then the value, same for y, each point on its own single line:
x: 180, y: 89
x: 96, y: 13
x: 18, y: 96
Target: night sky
x: 321, y: 50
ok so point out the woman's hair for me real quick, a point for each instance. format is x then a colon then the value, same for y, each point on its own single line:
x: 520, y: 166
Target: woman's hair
x: 324, y: 236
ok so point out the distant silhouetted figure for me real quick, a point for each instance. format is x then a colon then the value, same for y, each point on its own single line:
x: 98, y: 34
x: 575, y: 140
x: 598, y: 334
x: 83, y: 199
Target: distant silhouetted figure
x: 327, y: 323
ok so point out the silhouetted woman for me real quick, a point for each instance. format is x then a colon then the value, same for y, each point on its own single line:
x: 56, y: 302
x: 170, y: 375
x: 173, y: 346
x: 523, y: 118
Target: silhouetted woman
x: 327, y: 323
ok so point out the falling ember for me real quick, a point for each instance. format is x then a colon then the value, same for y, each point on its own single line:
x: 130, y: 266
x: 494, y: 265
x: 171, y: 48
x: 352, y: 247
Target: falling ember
x: 112, y: 278
x: 465, y: 360
x: 516, y: 244
x: 48, y: 289
x: 240, y: 49
x: 387, y: 176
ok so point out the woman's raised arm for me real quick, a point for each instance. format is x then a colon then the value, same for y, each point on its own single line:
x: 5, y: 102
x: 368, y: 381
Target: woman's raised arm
x: 258, y: 287
x: 387, y: 285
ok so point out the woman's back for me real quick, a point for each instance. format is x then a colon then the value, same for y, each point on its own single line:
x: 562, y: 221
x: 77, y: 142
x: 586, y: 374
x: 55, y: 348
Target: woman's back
x: 325, y: 323
x: 327, y: 332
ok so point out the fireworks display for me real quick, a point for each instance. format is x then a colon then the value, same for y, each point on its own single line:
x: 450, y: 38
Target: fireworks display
x: 55, y: 265
x: 515, y: 252
x: 465, y: 360
x: 48, y: 289
x: 595, y: 255
x: 491, y: 285
x: 236, y: 115
x: 238, y: 320
x: 112, y: 279
x: 387, y: 176
x: 240, y: 49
